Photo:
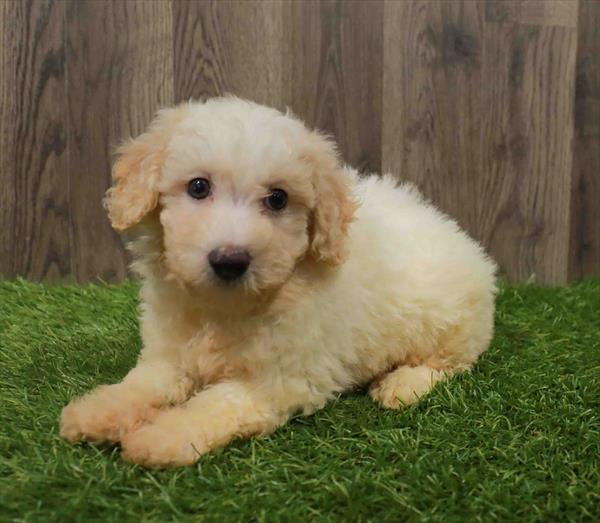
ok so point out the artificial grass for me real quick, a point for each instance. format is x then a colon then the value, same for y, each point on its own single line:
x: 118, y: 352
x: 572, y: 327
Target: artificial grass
x: 517, y: 439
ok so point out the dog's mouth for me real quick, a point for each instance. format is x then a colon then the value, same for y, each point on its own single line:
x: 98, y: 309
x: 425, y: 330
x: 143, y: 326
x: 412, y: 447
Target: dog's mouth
x: 231, y: 285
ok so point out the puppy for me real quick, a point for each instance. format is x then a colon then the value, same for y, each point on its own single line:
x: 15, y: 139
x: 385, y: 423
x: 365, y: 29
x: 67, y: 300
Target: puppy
x: 273, y: 278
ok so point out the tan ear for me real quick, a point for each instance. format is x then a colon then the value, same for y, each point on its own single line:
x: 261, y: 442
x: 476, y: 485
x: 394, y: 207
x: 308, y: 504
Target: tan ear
x: 335, y: 206
x: 136, y: 173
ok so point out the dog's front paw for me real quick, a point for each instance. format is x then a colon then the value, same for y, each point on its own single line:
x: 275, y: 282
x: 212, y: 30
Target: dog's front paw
x: 106, y: 414
x: 160, y: 445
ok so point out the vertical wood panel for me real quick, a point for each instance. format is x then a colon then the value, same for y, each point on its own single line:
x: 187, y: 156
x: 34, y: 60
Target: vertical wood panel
x: 34, y: 189
x: 585, y: 207
x: 120, y: 72
x: 224, y: 46
x: 334, y: 73
x: 478, y: 113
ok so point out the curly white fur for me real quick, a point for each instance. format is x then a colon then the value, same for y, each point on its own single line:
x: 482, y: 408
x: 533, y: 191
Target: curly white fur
x: 359, y: 280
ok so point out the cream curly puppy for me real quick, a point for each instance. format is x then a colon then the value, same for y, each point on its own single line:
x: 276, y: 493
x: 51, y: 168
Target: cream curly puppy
x: 273, y: 279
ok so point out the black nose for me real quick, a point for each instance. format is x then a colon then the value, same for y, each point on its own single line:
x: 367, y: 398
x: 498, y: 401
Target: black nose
x: 229, y: 263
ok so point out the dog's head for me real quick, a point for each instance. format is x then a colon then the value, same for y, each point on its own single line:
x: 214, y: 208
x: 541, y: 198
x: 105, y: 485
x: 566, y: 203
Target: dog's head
x: 243, y: 193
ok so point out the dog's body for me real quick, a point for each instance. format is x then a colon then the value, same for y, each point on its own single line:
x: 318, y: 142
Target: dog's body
x: 355, y: 281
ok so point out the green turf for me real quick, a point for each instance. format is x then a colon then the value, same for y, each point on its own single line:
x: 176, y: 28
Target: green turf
x: 518, y: 439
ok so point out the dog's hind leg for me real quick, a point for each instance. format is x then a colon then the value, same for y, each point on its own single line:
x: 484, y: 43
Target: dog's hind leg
x: 457, y: 351
x: 404, y: 385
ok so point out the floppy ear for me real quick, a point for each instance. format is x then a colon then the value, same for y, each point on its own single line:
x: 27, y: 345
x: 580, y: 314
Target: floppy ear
x: 335, y: 205
x: 136, y: 172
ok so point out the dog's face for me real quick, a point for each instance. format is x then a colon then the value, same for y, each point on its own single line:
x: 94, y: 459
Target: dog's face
x: 243, y: 194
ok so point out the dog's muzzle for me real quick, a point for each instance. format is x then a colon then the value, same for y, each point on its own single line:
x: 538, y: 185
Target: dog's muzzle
x: 229, y: 263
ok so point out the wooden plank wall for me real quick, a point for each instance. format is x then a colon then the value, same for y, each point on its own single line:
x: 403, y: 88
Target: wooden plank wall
x: 585, y: 195
x: 491, y: 107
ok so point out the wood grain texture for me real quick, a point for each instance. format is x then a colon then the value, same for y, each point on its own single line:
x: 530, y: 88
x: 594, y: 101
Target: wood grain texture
x: 478, y: 113
x: 585, y: 203
x: 223, y: 46
x: 334, y: 71
x: 120, y: 71
x: 491, y: 107
x: 34, y: 193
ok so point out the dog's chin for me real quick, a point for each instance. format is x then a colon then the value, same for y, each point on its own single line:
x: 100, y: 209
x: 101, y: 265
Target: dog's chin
x: 241, y: 297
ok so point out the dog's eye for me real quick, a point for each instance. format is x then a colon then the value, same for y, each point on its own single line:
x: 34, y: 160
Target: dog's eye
x: 198, y: 188
x: 277, y: 200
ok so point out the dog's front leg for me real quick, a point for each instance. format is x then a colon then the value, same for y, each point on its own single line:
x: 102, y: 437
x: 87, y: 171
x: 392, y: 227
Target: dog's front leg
x: 212, y: 418
x: 110, y: 411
